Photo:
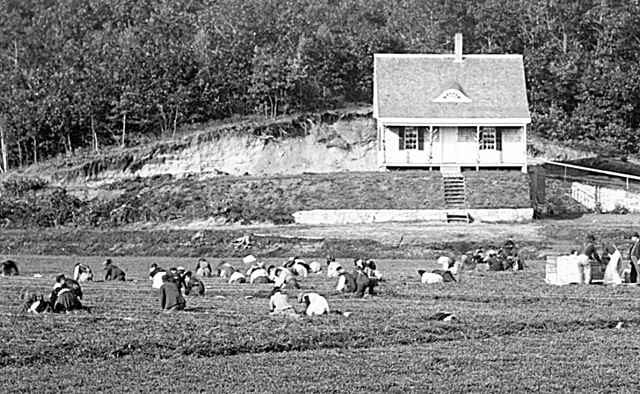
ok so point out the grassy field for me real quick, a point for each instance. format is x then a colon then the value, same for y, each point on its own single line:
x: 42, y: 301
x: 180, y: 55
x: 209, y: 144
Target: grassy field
x: 514, y: 333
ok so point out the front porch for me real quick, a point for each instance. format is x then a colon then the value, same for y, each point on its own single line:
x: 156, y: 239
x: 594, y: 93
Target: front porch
x: 468, y: 147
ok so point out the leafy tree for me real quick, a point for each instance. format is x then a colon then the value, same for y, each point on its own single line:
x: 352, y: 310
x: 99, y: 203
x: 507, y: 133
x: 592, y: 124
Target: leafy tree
x: 91, y: 73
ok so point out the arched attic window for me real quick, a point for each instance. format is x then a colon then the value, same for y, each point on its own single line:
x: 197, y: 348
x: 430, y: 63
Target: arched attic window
x: 453, y: 93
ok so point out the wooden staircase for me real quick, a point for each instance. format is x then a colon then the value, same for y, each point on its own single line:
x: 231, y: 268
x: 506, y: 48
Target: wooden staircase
x: 454, y: 186
x: 454, y: 194
x: 459, y: 217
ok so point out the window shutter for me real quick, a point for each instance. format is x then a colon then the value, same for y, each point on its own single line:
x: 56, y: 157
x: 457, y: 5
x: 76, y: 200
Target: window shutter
x: 498, y: 139
x: 421, y: 138
x: 401, y: 139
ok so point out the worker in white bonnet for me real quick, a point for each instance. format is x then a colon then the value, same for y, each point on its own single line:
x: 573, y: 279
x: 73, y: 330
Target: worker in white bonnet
x: 279, y: 304
x: 315, y: 267
x: 82, y: 273
x: 237, y: 277
x: 615, y: 268
x: 250, y: 259
x: 225, y: 270
x: 316, y: 304
x: 446, y: 262
x: 155, y: 275
x: 282, y: 277
x: 334, y: 269
x: 255, y: 265
x: 258, y: 275
x: 203, y: 268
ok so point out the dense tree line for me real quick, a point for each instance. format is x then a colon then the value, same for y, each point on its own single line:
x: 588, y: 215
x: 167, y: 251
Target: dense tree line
x: 90, y: 73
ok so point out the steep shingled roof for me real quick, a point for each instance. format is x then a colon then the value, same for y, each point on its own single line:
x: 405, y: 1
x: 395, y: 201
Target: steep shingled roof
x: 406, y: 86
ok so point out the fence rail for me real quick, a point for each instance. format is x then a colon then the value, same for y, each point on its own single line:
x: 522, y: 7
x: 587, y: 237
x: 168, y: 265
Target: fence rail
x: 626, y: 177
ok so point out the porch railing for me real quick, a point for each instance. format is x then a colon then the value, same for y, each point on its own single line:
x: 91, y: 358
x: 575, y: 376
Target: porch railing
x: 585, y: 194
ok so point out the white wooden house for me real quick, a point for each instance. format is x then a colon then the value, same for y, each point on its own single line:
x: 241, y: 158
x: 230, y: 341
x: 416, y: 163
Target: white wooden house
x: 451, y: 111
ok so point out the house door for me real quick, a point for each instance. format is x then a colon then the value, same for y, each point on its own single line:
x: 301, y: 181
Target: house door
x: 449, y: 141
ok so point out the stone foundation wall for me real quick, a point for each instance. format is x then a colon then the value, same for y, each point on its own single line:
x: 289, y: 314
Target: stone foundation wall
x: 354, y: 216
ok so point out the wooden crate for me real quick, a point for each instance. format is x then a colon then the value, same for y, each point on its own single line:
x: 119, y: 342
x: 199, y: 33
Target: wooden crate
x: 551, y: 272
x: 563, y: 270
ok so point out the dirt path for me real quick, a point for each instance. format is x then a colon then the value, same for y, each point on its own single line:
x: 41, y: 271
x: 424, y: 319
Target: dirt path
x: 554, y: 235
x: 393, y: 233
x: 386, y: 240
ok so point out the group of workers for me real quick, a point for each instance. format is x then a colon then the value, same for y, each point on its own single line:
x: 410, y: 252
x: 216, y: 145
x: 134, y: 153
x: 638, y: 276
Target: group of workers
x: 66, y: 294
x: 506, y: 258
x: 616, y: 269
x: 362, y: 280
x: 175, y: 283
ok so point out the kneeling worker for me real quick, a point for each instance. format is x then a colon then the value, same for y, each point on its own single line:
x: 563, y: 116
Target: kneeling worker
x: 170, y: 297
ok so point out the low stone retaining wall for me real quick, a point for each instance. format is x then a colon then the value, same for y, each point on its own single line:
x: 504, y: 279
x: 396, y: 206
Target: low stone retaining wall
x: 354, y: 216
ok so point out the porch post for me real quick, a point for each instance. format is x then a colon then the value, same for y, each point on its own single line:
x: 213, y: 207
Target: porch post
x: 382, y: 148
x: 430, y: 143
x: 524, y: 148
x: 477, y: 144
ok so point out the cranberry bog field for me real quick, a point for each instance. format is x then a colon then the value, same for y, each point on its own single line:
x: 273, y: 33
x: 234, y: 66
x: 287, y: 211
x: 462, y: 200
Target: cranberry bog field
x: 513, y: 333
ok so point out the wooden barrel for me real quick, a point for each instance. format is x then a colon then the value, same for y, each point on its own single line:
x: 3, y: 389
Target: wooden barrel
x: 597, y: 272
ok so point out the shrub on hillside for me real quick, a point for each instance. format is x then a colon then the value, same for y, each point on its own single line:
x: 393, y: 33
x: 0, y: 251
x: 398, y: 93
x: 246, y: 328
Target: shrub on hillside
x: 46, y: 208
x: 20, y: 186
x: 57, y: 208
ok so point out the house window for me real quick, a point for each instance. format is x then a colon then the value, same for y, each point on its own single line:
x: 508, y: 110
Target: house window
x: 410, y: 138
x: 490, y: 139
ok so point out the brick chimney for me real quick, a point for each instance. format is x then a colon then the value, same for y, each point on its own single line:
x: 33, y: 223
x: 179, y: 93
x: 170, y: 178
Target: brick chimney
x: 458, y: 48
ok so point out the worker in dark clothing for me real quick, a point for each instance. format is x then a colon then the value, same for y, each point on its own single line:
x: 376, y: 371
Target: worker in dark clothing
x: 589, y: 249
x: 634, y: 255
x: 510, y: 257
x: 66, y: 300
x: 192, y: 285
x: 346, y: 281
x: 364, y: 283
x: 9, y: 268
x: 177, y: 277
x: 112, y: 271
x: 492, y: 261
x: 170, y: 297
x: 509, y: 247
x: 68, y: 283
x: 66, y: 295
